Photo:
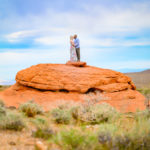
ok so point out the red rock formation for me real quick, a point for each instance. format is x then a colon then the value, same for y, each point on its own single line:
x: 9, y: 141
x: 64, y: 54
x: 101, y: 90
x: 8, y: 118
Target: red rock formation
x: 48, y: 83
x: 76, y: 64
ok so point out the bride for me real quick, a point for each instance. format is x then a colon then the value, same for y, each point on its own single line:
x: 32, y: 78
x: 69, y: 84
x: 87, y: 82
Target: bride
x: 73, y: 55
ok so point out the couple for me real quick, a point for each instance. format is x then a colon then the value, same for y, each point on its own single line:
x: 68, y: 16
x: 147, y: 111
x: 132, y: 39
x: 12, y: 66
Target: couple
x: 74, y: 49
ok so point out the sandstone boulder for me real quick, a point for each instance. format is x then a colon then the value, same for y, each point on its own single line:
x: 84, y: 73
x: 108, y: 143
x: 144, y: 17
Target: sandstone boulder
x: 58, y: 77
x: 48, y: 84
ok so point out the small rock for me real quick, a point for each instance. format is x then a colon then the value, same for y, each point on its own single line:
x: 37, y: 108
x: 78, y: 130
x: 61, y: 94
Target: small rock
x: 12, y: 143
x: 76, y: 64
x: 40, y: 146
x: 12, y: 107
x: 132, y: 97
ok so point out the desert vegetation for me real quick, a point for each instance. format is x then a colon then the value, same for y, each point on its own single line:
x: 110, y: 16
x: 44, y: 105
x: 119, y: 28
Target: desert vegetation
x: 87, y: 126
x: 146, y: 93
x: 30, y: 109
x: 3, y: 87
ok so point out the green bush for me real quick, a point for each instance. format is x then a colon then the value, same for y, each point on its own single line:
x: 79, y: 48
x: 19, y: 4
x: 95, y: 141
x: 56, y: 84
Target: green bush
x: 31, y: 109
x: 74, y: 139
x: 2, y: 103
x: 43, y: 129
x: 40, y: 121
x: 144, y: 91
x: 142, y: 115
x: 117, y: 141
x: 2, y: 111
x: 136, y: 137
x: 87, y: 114
x: 94, y: 114
x: 44, y: 133
x: 109, y: 137
x: 61, y: 115
x: 105, y: 139
x: 12, y: 121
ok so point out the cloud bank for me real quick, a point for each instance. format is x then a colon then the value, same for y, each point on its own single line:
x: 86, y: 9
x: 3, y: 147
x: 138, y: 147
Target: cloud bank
x: 113, y: 34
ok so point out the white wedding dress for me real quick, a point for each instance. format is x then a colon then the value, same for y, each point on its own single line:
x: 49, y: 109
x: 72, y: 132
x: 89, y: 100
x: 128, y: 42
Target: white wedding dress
x: 73, y: 55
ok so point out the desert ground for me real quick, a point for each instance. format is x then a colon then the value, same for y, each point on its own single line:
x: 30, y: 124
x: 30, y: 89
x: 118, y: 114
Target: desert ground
x: 72, y: 126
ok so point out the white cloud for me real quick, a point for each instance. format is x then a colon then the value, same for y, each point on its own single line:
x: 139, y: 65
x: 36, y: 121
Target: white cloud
x: 13, y: 61
x: 53, y: 40
x: 32, y: 56
x: 53, y: 27
x: 90, y: 42
x: 20, y: 35
x: 1, y: 81
x: 58, y: 55
x: 139, y: 64
x: 135, y: 43
x: 98, y: 27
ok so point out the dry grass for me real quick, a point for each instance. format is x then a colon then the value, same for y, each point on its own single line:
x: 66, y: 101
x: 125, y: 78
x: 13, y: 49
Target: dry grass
x: 3, y: 87
x: 16, y: 140
x: 78, y: 134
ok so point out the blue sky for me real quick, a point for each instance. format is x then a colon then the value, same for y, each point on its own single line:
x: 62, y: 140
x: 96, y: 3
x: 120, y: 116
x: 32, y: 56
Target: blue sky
x: 113, y: 34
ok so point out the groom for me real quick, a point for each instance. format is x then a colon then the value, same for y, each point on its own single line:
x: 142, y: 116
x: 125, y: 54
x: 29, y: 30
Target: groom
x: 77, y: 47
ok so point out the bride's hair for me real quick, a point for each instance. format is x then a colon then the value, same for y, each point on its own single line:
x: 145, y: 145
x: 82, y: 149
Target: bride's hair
x: 71, y: 37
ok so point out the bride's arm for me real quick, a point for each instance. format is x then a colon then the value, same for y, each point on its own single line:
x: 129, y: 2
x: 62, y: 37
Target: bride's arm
x: 72, y: 43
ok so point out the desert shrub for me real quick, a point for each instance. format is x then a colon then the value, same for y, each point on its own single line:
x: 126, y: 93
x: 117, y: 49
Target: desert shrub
x: 12, y: 121
x: 30, y: 109
x: 11, y: 108
x: 2, y: 103
x: 40, y: 121
x: 107, y: 136
x: 142, y: 115
x: 61, y: 115
x: 3, y: 87
x: 87, y: 114
x: 144, y: 91
x: 140, y: 135
x: 74, y: 139
x: 115, y: 137
x: 43, y: 130
x: 122, y: 142
x: 2, y: 111
x: 94, y: 114
x: 105, y: 139
x: 44, y: 133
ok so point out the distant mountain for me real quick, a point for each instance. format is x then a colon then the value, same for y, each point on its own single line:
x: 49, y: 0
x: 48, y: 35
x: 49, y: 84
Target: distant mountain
x: 140, y: 79
x: 146, y: 71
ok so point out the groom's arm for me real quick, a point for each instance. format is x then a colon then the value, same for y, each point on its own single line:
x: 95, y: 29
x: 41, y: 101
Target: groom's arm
x: 76, y: 42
